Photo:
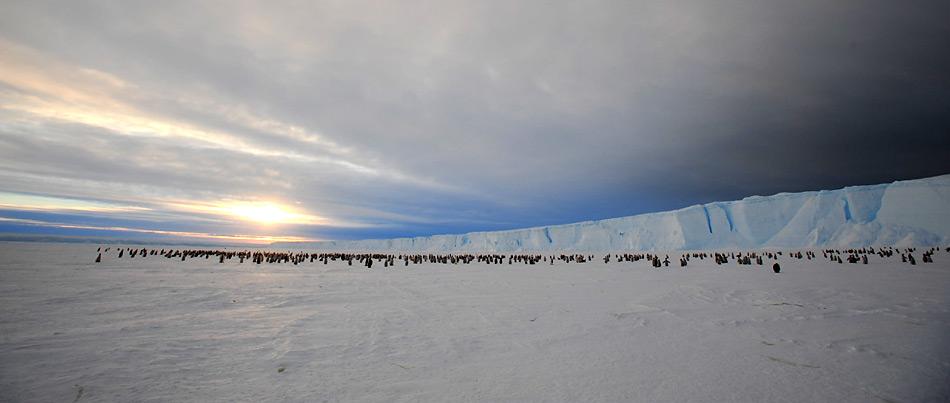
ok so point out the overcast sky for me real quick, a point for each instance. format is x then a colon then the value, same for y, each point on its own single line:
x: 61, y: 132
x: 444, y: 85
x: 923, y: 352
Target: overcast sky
x: 347, y: 119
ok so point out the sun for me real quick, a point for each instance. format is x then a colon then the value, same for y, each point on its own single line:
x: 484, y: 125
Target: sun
x: 264, y: 213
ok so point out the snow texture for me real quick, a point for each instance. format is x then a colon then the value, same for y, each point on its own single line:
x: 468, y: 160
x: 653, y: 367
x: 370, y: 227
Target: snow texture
x: 903, y: 213
x: 162, y: 330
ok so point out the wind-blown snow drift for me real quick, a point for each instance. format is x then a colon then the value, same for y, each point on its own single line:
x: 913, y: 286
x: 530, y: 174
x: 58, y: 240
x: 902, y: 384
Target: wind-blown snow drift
x: 902, y: 213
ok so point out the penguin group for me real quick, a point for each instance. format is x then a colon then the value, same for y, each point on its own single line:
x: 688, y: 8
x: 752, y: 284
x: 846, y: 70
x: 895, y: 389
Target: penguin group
x: 387, y: 260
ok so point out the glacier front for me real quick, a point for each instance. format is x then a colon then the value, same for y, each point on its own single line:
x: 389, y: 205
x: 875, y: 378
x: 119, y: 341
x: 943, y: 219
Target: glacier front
x: 902, y: 213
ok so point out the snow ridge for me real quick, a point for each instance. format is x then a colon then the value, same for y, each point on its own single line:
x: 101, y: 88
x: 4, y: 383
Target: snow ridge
x: 902, y: 213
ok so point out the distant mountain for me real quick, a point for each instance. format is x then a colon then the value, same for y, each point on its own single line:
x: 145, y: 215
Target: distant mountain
x: 902, y: 213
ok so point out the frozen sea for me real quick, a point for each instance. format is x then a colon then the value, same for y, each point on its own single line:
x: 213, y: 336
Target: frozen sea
x: 160, y: 330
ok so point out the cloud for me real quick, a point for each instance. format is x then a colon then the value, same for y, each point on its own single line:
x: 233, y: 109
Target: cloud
x: 425, y: 117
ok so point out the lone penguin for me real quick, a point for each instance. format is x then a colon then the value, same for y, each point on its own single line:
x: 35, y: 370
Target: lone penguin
x: 99, y: 258
x: 776, y: 268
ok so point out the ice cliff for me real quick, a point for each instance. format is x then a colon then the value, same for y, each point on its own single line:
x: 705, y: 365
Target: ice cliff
x: 903, y: 213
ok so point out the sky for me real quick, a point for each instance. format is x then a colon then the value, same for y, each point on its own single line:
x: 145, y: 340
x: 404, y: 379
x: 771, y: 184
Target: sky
x: 271, y: 121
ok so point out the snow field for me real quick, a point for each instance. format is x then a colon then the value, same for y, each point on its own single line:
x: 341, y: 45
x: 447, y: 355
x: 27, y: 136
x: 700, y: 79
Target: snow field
x: 152, y: 330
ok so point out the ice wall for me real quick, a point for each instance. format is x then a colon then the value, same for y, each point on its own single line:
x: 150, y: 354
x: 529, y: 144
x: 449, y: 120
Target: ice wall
x: 903, y: 213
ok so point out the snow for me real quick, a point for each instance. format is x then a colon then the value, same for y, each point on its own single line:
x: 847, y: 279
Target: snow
x: 155, y: 329
x: 905, y: 213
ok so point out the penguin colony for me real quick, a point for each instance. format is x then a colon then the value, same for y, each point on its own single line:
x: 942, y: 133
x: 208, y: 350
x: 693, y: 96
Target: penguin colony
x: 853, y: 256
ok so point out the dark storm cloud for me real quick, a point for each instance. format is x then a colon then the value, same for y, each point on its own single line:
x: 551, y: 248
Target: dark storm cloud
x: 411, y: 118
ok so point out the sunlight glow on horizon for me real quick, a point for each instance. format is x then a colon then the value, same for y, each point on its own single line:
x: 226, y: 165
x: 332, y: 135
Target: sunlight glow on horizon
x: 256, y: 216
x: 264, y: 213
x: 240, y: 238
